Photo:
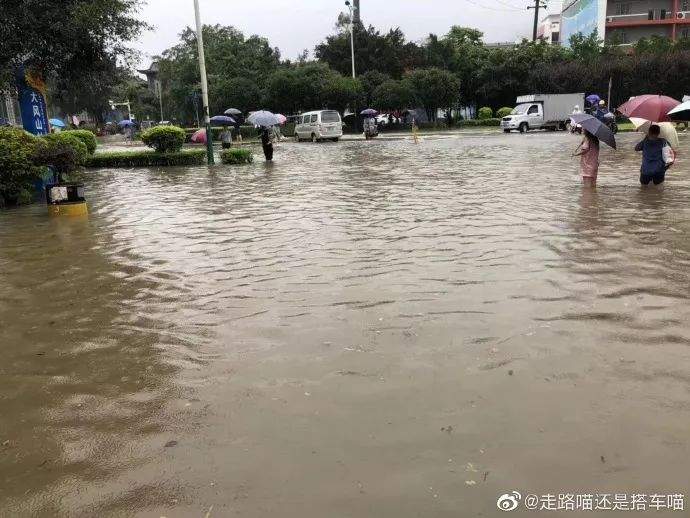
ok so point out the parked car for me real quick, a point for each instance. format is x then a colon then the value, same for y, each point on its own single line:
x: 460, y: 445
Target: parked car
x: 319, y: 125
x: 548, y: 111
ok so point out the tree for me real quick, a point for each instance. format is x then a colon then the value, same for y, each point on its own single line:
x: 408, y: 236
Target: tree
x: 434, y: 88
x: 387, y: 53
x: 292, y: 89
x: 239, y: 69
x: 69, y: 38
x: 370, y: 82
x: 393, y: 95
x: 340, y: 92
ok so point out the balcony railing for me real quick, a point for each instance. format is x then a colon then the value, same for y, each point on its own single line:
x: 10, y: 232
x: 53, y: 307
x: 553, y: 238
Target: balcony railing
x: 643, y: 19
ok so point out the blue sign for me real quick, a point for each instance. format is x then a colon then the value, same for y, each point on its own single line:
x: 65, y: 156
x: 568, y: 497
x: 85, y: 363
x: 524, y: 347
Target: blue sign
x: 32, y: 103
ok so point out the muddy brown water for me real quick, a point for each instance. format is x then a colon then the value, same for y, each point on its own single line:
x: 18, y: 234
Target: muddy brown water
x: 361, y: 329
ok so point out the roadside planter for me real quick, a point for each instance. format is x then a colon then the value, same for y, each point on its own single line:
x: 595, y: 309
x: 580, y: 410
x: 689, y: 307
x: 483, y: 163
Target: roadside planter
x: 66, y: 199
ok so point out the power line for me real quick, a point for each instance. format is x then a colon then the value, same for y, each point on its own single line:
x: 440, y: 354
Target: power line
x: 512, y: 9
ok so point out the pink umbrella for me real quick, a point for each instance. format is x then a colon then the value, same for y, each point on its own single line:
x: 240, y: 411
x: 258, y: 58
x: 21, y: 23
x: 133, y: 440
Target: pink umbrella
x: 651, y: 107
x: 199, y: 137
x: 282, y: 119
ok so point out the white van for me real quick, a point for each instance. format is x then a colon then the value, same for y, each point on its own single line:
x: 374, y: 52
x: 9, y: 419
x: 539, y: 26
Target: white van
x: 319, y: 125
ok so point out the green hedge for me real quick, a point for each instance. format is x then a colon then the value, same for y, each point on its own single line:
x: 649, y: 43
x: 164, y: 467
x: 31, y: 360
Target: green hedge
x: 504, y: 112
x: 86, y: 136
x: 18, y: 170
x: 64, y: 151
x: 147, y: 158
x: 164, y: 139
x: 237, y: 156
x: 470, y: 123
x: 485, y: 113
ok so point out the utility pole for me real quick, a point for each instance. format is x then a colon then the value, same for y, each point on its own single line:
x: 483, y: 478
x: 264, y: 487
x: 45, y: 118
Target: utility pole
x: 537, y: 5
x: 353, y: 14
x: 204, y: 84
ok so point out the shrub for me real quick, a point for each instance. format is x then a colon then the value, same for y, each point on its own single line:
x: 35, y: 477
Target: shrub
x: 503, y: 112
x: 18, y: 170
x: 147, y: 159
x: 468, y: 123
x: 237, y: 156
x: 64, y: 152
x: 87, y: 137
x: 485, y: 113
x: 164, y: 139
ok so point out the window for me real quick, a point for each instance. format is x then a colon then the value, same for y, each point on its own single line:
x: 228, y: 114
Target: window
x: 533, y: 110
x: 314, y: 118
x: 685, y: 33
x: 624, y: 8
x: 555, y: 37
x: 685, y: 5
x: 663, y: 14
x: 650, y: 15
x: 330, y: 116
x: 656, y: 14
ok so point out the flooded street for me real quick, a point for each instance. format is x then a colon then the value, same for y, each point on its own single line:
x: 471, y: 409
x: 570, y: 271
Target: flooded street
x: 362, y: 329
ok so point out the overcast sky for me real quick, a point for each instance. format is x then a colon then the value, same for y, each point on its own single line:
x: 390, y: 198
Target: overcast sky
x: 295, y: 25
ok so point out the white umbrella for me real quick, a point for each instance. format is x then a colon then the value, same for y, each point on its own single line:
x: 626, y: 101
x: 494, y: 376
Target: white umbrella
x: 668, y: 130
x: 681, y: 112
x: 264, y: 119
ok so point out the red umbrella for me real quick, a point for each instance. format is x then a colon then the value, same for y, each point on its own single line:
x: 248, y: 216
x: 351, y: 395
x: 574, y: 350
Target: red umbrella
x: 199, y: 137
x: 651, y: 107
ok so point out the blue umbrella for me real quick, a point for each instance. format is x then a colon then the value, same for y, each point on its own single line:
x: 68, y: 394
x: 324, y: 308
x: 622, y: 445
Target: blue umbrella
x: 593, y: 99
x: 369, y: 112
x: 57, y: 123
x: 595, y: 127
x: 125, y: 123
x: 223, y: 120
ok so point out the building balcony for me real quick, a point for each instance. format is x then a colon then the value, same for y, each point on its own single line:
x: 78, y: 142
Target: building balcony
x: 642, y: 20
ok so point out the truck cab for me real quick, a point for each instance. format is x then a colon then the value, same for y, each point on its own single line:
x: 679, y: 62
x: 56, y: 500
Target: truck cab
x: 524, y: 117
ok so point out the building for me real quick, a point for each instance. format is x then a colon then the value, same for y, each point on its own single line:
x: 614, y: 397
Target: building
x: 549, y: 29
x: 9, y: 107
x: 625, y: 21
x: 151, y: 74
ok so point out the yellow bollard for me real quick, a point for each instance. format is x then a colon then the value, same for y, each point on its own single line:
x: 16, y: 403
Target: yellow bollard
x: 69, y: 209
x: 66, y: 199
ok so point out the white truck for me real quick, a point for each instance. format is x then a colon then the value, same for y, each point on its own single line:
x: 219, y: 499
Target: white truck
x: 547, y: 111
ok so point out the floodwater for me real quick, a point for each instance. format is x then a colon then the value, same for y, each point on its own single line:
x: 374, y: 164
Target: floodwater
x: 363, y: 329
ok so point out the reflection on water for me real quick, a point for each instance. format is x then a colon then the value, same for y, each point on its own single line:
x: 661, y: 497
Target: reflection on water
x: 299, y: 334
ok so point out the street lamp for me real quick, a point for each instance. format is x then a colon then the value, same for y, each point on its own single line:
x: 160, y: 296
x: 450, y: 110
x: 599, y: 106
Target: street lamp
x: 352, y: 34
x: 204, y: 84
x: 126, y: 103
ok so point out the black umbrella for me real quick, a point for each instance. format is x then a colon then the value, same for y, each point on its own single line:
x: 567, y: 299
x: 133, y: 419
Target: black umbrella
x: 595, y: 127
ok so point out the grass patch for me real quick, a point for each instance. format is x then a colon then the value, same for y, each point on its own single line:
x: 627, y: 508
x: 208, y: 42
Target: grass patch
x: 237, y: 156
x: 146, y: 159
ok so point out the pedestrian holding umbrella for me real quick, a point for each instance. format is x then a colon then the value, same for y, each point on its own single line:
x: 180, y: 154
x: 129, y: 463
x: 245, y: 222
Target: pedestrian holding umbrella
x: 653, y: 108
x: 594, y: 131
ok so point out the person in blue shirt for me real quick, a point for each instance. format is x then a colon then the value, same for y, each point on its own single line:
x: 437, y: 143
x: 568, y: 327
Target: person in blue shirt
x: 653, y: 166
